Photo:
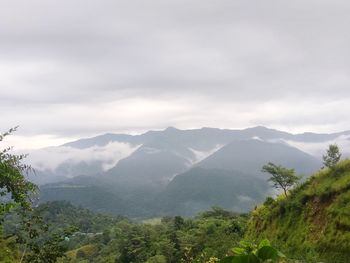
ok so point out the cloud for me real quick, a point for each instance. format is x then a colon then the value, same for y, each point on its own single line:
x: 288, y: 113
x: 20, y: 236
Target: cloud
x: 319, y: 149
x: 201, y: 155
x: 77, y: 68
x: 52, y: 157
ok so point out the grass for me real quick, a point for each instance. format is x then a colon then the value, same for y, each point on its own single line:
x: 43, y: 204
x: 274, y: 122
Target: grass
x: 313, y: 222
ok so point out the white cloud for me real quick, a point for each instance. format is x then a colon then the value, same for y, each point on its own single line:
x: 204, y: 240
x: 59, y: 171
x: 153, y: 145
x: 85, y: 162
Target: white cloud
x: 317, y: 149
x: 201, y: 155
x: 50, y: 158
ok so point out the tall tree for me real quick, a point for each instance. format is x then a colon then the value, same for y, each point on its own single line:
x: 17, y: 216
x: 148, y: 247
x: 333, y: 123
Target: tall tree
x: 14, y: 187
x: 37, y: 245
x: 282, y: 178
x: 15, y: 190
x: 332, y: 157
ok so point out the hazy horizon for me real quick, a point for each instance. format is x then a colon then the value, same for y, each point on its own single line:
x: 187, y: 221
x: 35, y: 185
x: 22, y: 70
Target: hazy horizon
x: 77, y: 69
x: 40, y: 141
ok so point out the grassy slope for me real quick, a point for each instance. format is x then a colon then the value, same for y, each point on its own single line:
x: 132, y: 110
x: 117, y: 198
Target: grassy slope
x: 313, y: 222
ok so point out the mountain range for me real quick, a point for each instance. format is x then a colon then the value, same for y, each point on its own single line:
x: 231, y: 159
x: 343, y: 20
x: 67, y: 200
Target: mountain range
x: 174, y: 171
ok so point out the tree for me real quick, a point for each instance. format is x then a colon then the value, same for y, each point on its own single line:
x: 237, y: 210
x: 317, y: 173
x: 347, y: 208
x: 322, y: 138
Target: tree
x: 39, y: 241
x: 332, y: 156
x: 178, y: 222
x: 13, y: 184
x: 282, y: 178
x: 17, y: 191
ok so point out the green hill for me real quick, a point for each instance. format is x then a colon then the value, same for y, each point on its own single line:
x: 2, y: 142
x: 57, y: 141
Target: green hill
x: 313, y: 222
x: 199, y: 189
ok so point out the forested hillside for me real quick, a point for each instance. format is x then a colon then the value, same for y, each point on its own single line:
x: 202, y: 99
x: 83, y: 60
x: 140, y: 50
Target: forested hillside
x: 99, y: 238
x: 313, y: 222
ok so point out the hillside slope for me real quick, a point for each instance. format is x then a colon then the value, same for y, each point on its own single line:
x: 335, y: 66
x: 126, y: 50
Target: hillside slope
x: 94, y: 198
x: 248, y: 156
x: 199, y: 189
x: 313, y: 222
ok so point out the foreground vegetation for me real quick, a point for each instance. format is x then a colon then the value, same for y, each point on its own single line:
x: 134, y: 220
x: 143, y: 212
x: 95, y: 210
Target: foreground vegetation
x: 310, y: 224
x: 313, y: 221
x: 100, y: 238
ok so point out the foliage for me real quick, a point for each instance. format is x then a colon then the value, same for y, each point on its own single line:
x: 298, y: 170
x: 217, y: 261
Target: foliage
x: 282, y: 177
x: 15, y: 190
x: 250, y: 253
x: 181, y: 240
x: 13, y: 184
x: 31, y: 241
x: 269, y: 200
x: 312, y: 222
x: 116, y: 239
x: 35, y: 239
x: 332, y: 157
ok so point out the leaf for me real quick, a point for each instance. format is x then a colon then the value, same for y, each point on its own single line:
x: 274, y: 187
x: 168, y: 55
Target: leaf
x: 238, y: 250
x: 226, y: 260
x: 251, y: 258
x: 267, y: 252
x: 245, y: 244
x: 280, y: 254
x: 248, y: 246
x: 264, y: 243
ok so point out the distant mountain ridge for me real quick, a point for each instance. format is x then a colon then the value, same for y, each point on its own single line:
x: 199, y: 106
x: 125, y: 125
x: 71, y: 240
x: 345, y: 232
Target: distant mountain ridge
x: 152, y: 163
x: 223, y: 134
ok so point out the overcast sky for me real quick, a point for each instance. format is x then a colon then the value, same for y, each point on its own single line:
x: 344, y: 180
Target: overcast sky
x: 75, y: 68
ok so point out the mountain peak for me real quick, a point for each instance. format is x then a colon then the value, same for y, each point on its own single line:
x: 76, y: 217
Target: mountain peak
x: 171, y: 129
x: 260, y: 128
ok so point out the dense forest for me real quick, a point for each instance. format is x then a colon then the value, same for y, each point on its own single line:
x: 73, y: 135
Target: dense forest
x: 308, y: 222
x: 100, y: 238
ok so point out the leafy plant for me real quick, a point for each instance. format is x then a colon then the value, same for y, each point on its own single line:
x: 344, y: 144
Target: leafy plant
x: 250, y: 253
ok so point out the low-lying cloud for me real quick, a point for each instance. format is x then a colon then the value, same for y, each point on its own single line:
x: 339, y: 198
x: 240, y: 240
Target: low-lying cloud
x: 318, y: 149
x: 52, y: 157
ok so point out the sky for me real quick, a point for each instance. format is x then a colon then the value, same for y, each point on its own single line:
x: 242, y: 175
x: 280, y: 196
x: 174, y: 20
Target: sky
x: 77, y: 68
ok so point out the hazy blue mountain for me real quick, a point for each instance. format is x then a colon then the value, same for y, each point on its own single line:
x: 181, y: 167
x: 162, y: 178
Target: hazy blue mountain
x: 176, y: 171
x: 149, y: 167
x: 204, y: 137
x: 318, y: 137
x: 199, y: 189
x: 162, y: 154
x: 249, y: 156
